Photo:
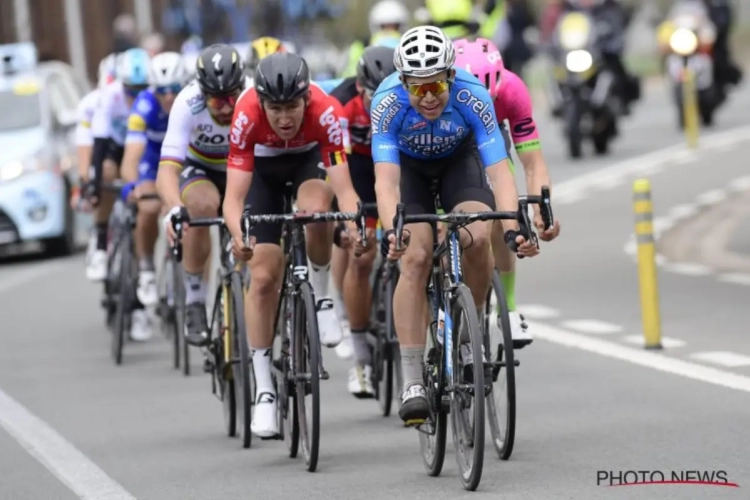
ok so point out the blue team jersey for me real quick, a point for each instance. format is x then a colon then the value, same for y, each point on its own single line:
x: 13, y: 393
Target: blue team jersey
x: 399, y: 128
x: 329, y: 85
x: 147, y: 123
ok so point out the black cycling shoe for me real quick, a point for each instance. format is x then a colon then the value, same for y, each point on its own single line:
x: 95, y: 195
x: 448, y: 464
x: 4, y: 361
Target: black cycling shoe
x: 415, y: 409
x: 196, y: 324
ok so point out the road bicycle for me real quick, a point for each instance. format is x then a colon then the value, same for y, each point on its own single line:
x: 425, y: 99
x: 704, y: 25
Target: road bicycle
x: 453, y: 385
x: 171, y: 310
x: 227, y: 355
x: 297, y: 365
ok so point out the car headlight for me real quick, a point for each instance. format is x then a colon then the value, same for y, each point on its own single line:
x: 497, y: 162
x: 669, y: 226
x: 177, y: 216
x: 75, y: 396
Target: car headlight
x: 683, y: 41
x: 15, y: 169
x: 579, y: 61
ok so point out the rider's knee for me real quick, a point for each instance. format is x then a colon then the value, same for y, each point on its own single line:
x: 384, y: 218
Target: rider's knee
x: 202, y: 203
x: 479, y: 242
x: 265, y: 273
x: 362, y: 266
x: 109, y: 170
x: 416, y: 262
x: 149, y: 208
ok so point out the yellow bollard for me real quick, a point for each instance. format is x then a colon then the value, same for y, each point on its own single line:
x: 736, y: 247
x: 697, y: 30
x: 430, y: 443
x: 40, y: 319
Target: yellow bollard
x: 690, y: 107
x: 647, y: 277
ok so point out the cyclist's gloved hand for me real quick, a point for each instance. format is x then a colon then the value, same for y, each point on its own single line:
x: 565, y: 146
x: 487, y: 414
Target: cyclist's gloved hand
x: 519, y: 245
x: 126, y: 190
x: 179, y: 213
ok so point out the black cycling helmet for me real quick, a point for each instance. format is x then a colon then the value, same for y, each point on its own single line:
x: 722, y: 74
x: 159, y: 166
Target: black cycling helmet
x: 282, y: 78
x: 374, y: 66
x: 219, y: 70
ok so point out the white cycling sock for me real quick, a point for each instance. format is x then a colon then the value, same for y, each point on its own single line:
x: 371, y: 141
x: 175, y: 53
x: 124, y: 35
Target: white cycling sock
x: 195, y: 288
x: 319, y: 277
x: 362, y: 353
x: 262, y: 369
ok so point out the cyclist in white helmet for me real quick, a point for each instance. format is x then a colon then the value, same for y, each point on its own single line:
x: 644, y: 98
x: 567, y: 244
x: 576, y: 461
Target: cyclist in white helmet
x: 387, y: 20
x: 147, y: 126
x: 433, y: 124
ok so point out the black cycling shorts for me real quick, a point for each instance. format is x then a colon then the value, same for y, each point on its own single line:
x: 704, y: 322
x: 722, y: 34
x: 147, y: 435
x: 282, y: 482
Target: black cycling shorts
x: 114, y: 152
x: 194, y: 173
x: 362, y: 172
x: 445, y: 182
x: 273, y: 178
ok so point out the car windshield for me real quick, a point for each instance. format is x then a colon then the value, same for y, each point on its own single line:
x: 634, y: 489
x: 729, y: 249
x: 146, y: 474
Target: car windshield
x: 21, y: 110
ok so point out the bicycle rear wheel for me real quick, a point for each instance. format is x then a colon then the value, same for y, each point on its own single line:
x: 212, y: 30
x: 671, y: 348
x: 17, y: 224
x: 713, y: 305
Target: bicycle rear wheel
x: 178, y: 284
x: 467, y: 398
x: 307, y: 363
x: 382, y: 363
x: 286, y: 394
x: 125, y: 290
x: 221, y: 371
x: 498, y: 345
x: 433, y: 438
x: 242, y: 368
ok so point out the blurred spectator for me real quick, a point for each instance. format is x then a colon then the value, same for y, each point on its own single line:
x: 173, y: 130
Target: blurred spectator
x: 125, y: 33
x: 153, y: 43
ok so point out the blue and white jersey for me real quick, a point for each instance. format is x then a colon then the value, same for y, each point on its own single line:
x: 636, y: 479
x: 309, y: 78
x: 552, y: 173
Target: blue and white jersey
x: 399, y: 128
x: 147, y: 123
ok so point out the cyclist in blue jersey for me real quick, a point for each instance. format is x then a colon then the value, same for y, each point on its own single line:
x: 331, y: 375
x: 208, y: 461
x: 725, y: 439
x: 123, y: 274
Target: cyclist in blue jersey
x: 147, y: 126
x: 329, y: 85
x: 435, y: 125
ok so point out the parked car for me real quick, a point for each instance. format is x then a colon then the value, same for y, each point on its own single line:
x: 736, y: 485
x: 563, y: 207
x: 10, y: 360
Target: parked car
x: 37, y: 151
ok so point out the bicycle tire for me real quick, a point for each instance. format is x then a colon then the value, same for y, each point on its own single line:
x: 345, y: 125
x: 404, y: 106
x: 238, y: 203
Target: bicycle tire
x: 180, y: 344
x: 165, y: 282
x: 389, y: 339
x: 285, y: 392
x: 220, y: 370
x: 432, y: 447
x: 470, y: 474
x: 503, y: 444
x: 124, y: 300
x: 307, y: 334
x: 242, y: 368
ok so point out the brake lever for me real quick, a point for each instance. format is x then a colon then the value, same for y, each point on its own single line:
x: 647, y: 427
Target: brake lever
x: 176, y: 221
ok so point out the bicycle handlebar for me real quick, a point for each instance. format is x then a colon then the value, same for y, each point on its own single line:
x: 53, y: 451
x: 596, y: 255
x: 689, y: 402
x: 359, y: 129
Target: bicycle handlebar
x: 178, y: 225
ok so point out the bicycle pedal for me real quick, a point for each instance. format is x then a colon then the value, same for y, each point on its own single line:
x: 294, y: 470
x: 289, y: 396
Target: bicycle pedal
x: 277, y: 437
x: 208, y: 367
x: 324, y: 375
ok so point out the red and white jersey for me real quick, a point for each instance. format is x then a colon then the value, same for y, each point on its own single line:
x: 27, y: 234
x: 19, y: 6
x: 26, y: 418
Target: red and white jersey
x: 251, y: 134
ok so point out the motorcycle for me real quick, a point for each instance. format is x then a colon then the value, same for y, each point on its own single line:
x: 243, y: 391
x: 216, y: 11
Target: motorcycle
x: 583, y: 89
x: 689, y: 43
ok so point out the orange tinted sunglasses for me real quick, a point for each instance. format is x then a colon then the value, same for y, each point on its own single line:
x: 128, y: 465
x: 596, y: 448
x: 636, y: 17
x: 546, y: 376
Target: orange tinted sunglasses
x: 219, y: 101
x: 421, y: 89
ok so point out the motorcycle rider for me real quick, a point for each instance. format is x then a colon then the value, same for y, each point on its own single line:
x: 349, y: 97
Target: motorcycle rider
x: 612, y: 18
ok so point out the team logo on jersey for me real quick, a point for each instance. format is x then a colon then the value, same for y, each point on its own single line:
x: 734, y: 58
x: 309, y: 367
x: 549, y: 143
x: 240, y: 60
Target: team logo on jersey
x: 144, y: 107
x: 238, y: 126
x: 383, y: 114
x: 197, y: 103
x: 524, y: 127
x: 428, y: 144
x: 482, y: 108
x: 327, y: 119
x: 418, y: 125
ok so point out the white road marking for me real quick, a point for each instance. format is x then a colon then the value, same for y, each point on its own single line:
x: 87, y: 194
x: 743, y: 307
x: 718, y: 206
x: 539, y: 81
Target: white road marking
x: 592, y: 326
x: 736, y: 278
x: 666, y: 342
x: 688, y: 269
x: 643, y: 357
x: 63, y: 459
x: 537, y: 311
x: 711, y: 197
x: 723, y: 358
x: 741, y: 184
x: 683, y: 211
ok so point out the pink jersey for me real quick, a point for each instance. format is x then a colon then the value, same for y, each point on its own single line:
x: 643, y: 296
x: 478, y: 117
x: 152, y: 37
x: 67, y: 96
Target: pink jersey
x: 513, y: 103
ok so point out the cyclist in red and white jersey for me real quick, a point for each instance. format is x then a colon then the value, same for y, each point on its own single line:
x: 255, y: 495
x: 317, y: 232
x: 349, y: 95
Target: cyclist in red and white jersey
x: 512, y: 103
x: 284, y: 131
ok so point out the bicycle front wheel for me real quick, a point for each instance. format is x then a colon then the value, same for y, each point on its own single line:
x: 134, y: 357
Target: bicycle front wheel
x: 498, y: 347
x: 467, y: 381
x: 307, y: 363
x: 178, y: 284
x: 242, y: 368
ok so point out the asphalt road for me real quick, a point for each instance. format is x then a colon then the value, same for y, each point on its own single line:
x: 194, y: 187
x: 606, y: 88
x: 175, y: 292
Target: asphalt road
x: 144, y: 429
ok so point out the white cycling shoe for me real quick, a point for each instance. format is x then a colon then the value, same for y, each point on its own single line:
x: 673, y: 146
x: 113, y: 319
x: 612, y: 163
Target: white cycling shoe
x: 360, y: 382
x: 96, y: 267
x: 519, y: 330
x: 141, y: 327
x: 265, y: 423
x: 147, y: 292
x: 329, y: 326
x: 345, y: 350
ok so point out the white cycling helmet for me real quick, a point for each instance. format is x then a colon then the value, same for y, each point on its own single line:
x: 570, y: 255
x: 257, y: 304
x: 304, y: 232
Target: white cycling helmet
x: 107, y: 70
x: 387, y: 12
x: 167, y: 68
x: 424, y: 51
